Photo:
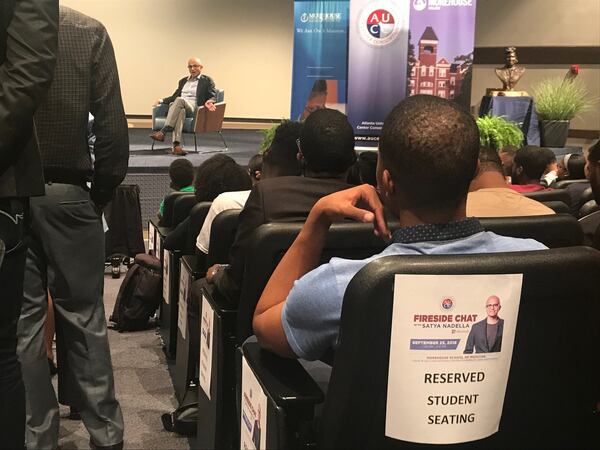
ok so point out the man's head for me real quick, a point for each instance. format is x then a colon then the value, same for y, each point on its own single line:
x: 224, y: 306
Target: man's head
x: 181, y: 173
x: 492, y: 306
x: 490, y: 173
x: 218, y: 174
x: 571, y: 167
x: 510, y: 57
x: 531, y: 163
x: 194, y: 66
x: 326, y: 143
x: 593, y: 169
x: 280, y: 159
x: 255, y: 165
x: 428, y: 153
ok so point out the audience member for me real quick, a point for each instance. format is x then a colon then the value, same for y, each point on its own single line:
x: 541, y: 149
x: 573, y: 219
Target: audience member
x: 181, y: 173
x: 427, y: 158
x: 363, y: 170
x: 490, y: 196
x: 279, y: 160
x: 255, y: 165
x: 507, y: 156
x: 192, y: 91
x: 28, y: 49
x: 530, y: 164
x: 571, y: 167
x: 326, y: 152
x: 66, y: 253
x: 218, y: 174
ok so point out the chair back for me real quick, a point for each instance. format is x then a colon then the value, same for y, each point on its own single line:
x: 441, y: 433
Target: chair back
x: 558, y: 207
x: 169, y: 203
x: 588, y: 208
x: 182, y: 208
x: 159, y: 116
x: 589, y: 225
x: 587, y: 195
x: 219, y: 95
x: 197, y: 215
x: 556, y: 230
x: 553, y: 380
x: 270, y: 242
x: 222, y: 235
x: 564, y: 183
x: 559, y: 195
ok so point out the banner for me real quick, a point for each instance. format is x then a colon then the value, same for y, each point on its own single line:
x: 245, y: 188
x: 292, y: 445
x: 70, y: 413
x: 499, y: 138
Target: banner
x: 320, y: 56
x: 393, y: 48
x: 450, y: 351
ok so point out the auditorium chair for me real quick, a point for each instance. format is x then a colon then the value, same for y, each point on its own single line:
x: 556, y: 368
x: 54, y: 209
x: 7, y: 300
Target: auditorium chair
x: 589, y: 225
x: 554, y: 231
x: 588, y: 208
x: 171, y: 283
x: 159, y: 117
x: 222, y: 235
x: 217, y: 416
x: 559, y: 195
x: 558, y: 207
x: 587, y: 195
x: 553, y: 383
x: 562, y: 184
x: 169, y: 202
x: 181, y: 208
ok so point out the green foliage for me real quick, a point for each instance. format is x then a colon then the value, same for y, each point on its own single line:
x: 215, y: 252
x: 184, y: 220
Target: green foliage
x: 558, y: 99
x: 268, y: 134
x: 496, y: 132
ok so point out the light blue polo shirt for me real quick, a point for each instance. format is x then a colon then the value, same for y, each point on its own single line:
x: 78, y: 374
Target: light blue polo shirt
x: 311, y: 314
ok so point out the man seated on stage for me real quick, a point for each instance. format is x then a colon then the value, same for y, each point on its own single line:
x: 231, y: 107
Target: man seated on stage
x: 490, y: 195
x: 326, y: 152
x: 192, y: 91
x: 530, y: 165
x: 427, y: 158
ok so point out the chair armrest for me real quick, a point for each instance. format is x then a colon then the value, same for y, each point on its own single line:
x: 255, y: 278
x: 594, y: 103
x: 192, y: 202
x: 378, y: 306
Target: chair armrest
x: 284, y: 380
x: 160, y: 110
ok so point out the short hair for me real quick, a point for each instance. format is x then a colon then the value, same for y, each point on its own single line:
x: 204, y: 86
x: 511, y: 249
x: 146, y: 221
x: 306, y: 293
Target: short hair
x: 576, y: 166
x: 594, y: 153
x: 364, y: 169
x: 430, y: 147
x: 219, y: 174
x: 327, y: 142
x: 181, y: 173
x: 281, y: 156
x: 255, y: 165
x: 534, y: 160
x: 489, y: 160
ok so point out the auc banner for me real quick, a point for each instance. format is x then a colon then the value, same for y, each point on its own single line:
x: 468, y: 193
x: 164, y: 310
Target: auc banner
x: 393, y: 48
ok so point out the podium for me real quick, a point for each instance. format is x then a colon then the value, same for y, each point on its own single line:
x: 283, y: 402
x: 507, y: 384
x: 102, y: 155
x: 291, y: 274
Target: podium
x: 520, y: 110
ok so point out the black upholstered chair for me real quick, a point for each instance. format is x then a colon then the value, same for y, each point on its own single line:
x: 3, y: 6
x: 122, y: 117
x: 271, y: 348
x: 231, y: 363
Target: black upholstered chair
x: 554, y: 231
x: 169, y: 202
x: 564, y: 183
x: 559, y: 195
x: 217, y: 415
x: 553, y: 383
x: 587, y: 195
x: 588, y: 208
x: 181, y: 208
x: 222, y: 236
x: 589, y: 225
x: 558, y: 207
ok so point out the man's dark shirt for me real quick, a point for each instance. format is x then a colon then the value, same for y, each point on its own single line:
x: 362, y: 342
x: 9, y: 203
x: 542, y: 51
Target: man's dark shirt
x: 86, y: 80
x: 281, y: 199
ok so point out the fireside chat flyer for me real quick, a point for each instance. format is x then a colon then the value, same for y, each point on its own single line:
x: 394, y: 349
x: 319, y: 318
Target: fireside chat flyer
x: 450, y: 351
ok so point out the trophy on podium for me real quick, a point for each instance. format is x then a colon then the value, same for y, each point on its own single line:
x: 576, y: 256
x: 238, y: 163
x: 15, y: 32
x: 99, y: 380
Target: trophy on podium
x: 509, y: 75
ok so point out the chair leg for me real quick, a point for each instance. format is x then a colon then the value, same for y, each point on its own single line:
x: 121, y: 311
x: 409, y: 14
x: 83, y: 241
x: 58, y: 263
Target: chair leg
x: 195, y: 143
x: 152, y: 148
x: 223, y: 139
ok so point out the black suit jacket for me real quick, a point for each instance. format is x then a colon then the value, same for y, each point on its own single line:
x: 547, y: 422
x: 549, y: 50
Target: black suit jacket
x: 477, y: 338
x: 205, y: 90
x: 28, y: 36
x: 281, y: 199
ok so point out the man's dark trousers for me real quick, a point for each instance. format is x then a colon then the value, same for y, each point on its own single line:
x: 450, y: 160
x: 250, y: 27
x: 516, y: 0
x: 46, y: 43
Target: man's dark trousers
x: 66, y: 255
x: 12, y: 394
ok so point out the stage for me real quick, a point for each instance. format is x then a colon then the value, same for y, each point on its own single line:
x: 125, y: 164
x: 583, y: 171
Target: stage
x: 149, y: 168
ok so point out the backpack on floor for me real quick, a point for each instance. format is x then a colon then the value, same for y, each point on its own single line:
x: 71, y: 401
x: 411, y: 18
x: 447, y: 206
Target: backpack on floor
x: 140, y: 294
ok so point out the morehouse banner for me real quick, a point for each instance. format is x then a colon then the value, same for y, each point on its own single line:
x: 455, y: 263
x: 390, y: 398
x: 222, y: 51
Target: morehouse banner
x: 320, y: 56
x: 394, y: 48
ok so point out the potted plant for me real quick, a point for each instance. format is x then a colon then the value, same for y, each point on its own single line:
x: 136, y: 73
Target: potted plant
x: 268, y: 136
x: 496, y: 132
x: 557, y: 101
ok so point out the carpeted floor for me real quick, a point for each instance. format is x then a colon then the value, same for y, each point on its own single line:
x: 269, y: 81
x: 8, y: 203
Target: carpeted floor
x: 143, y: 387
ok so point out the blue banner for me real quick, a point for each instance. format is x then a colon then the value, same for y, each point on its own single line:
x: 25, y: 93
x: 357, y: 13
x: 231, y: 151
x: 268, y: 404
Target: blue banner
x: 320, y: 56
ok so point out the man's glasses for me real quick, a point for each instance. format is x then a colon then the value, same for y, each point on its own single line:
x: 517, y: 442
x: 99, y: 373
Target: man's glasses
x: 193, y: 66
x: 492, y: 306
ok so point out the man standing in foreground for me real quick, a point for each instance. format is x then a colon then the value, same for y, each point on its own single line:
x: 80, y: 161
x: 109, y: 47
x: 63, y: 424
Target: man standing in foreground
x: 28, y: 45
x: 66, y: 255
x: 428, y: 154
x: 192, y: 92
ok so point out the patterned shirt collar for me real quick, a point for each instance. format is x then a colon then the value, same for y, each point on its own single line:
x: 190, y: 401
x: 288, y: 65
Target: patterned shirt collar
x: 428, y: 232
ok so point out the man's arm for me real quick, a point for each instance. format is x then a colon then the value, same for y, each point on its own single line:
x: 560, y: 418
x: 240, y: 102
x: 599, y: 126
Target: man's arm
x: 111, y: 149
x: 470, y: 342
x: 211, y: 93
x: 360, y: 203
x: 26, y: 72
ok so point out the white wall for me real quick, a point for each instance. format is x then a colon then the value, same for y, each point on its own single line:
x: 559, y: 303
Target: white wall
x: 246, y: 46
